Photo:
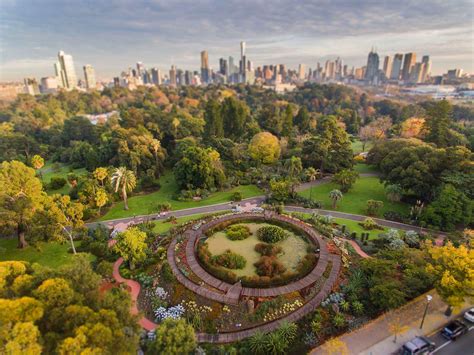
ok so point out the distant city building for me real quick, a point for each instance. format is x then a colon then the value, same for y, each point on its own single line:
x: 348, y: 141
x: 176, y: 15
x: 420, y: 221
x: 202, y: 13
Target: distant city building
x: 205, y: 70
x: 140, y: 69
x: 415, y: 73
x: 396, y: 66
x: 67, y: 72
x: 223, y: 67
x: 387, y: 66
x: 301, y: 71
x: 156, y: 76
x: 408, y: 63
x: 173, y: 76
x: 31, y: 86
x: 372, y: 71
x: 89, y: 77
x: 426, y: 68
x: 454, y: 73
x: 49, y: 85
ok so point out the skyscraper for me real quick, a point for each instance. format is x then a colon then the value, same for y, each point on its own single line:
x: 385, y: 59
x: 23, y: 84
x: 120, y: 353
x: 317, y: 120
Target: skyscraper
x: 301, y: 72
x: 89, y: 76
x: 243, y: 59
x: 396, y: 66
x: 387, y: 66
x: 416, y: 72
x: 156, y: 76
x: 140, y: 69
x: 426, y: 69
x: 223, y: 67
x: 205, y: 67
x: 173, y: 76
x: 372, y: 71
x: 409, y: 62
x: 67, y: 72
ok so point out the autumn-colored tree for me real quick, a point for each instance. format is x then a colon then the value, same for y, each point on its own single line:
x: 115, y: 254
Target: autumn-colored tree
x: 100, y: 174
x: 124, y: 180
x: 264, y: 148
x: 412, y: 127
x: 55, y: 293
x: 131, y: 246
x: 101, y: 198
x: 21, y: 196
x: 375, y: 130
x: 335, y: 346
x: 454, y: 271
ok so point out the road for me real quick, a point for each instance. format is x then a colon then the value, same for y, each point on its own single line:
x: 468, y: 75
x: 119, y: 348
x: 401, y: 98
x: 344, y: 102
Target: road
x: 464, y: 345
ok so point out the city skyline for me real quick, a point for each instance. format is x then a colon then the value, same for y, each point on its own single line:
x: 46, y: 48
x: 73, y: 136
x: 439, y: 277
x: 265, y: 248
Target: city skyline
x: 92, y: 37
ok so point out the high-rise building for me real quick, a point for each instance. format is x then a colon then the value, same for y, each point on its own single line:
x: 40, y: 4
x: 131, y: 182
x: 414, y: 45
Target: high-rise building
x: 205, y: 72
x: 49, y: 85
x: 396, y: 66
x: 243, y: 59
x: 156, y: 76
x: 426, y: 69
x: 67, y: 72
x: 89, y: 77
x: 173, y: 76
x: 140, y: 69
x: 372, y: 71
x: 223, y: 67
x: 31, y: 86
x: 387, y: 66
x: 408, y: 63
x: 232, y: 67
x: 301, y: 72
x: 454, y: 73
x: 416, y: 72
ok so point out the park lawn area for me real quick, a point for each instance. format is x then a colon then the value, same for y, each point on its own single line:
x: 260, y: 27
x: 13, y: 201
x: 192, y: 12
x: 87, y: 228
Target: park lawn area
x: 354, y: 226
x: 163, y: 227
x: 51, y: 254
x: 355, y: 201
x: 47, y: 173
x: 357, y: 146
x: 362, y: 168
x: 146, y: 204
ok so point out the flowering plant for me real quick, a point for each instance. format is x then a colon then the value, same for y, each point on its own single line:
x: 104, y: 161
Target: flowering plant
x: 174, y: 312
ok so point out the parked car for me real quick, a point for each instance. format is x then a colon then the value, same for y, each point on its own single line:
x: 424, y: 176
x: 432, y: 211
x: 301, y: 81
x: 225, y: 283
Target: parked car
x: 417, y: 346
x: 454, y: 330
x: 469, y: 315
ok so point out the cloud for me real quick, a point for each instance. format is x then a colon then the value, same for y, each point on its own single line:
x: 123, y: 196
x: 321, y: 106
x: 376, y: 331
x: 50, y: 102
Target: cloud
x: 112, y: 35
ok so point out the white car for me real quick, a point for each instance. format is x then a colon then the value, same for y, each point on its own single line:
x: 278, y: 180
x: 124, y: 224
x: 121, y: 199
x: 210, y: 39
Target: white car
x: 469, y: 315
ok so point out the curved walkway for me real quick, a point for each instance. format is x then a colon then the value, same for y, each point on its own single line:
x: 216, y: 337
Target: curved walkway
x: 134, y: 292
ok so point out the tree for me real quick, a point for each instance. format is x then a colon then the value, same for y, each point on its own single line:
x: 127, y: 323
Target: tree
x: 264, y: 148
x: 37, y: 162
x: 345, y: 179
x: 101, y: 198
x: 235, y: 115
x: 125, y: 180
x: 287, y: 127
x: 23, y: 339
x: 312, y: 174
x: 174, y: 337
x: 55, y: 293
x: 373, y: 207
x: 412, y: 127
x: 21, y: 196
x: 436, y: 125
x: 394, y: 192
x: 453, y: 268
x: 335, y: 346
x: 293, y: 167
x: 375, y: 130
x: 131, y: 246
x: 335, y: 196
x: 214, y: 127
x: 302, y: 120
x: 100, y: 174
x: 449, y: 209
x: 396, y: 325
x: 280, y: 190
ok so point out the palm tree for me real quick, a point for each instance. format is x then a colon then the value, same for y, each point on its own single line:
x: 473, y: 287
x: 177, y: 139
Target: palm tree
x: 335, y: 195
x: 312, y: 174
x: 124, y: 179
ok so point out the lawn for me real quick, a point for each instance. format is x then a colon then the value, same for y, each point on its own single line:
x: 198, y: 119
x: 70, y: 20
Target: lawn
x: 354, y: 226
x: 357, y: 146
x: 63, y: 170
x: 51, y: 254
x: 355, y: 201
x: 146, y: 204
x: 163, y: 227
x: 362, y: 168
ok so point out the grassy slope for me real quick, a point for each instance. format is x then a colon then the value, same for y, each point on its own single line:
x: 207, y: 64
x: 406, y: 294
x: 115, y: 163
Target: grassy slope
x: 357, y: 146
x: 354, y: 226
x: 52, y: 254
x: 144, y: 204
x: 364, y: 168
x: 48, y: 173
x: 163, y: 227
x: 355, y: 201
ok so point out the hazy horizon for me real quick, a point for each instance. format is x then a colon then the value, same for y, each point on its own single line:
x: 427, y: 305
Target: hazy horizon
x: 161, y: 33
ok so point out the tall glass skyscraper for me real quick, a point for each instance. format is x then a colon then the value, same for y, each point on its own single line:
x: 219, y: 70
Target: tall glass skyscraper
x: 67, y: 72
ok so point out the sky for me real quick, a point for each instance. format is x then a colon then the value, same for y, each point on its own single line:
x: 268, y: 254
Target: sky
x: 113, y: 35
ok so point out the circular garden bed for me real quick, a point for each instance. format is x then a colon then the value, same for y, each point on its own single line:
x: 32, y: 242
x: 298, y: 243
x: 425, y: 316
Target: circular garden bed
x: 257, y: 253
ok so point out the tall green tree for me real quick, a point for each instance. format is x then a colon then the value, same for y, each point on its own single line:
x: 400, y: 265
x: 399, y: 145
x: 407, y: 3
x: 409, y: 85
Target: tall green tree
x: 437, y: 123
x: 124, y: 180
x: 21, y: 196
x: 214, y: 127
x: 302, y: 120
x: 345, y: 179
x: 235, y: 115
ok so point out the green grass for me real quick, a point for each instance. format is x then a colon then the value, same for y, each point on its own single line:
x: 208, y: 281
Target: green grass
x: 365, y: 168
x: 145, y: 204
x: 355, y: 201
x: 357, y: 146
x: 47, y: 173
x: 163, y: 227
x: 354, y: 226
x: 51, y: 254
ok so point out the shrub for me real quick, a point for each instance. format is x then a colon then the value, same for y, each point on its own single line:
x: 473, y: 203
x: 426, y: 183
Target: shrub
x: 338, y: 320
x: 229, y: 260
x: 56, y: 183
x: 267, y: 249
x: 166, y: 273
x: 393, y: 216
x: 237, y: 232
x: 271, y: 234
x: 104, y: 268
x: 237, y: 196
x: 369, y: 224
x: 412, y: 239
x: 307, y: 264
x: 373, y: 207
x: 269, y: 266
